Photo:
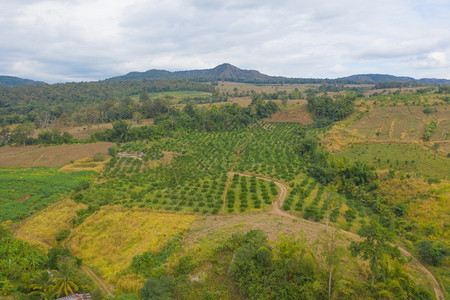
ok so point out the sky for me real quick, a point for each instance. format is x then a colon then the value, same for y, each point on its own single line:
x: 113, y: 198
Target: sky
x: 84, y: 40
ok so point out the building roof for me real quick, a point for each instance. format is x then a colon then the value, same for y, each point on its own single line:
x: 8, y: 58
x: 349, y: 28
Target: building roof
x: 77, y: 297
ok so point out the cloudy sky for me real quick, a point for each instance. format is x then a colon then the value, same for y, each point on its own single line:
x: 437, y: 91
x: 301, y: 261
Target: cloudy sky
x: 79, y: 40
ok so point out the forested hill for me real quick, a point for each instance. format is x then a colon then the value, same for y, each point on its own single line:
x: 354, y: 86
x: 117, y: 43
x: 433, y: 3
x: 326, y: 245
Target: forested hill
x: 16, y: 81
x: 382, y: 78
x: 374, y: 78
x: 221, y: 72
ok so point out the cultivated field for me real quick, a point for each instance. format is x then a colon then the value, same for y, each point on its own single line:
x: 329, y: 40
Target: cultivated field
x: 402, y: 123
x: 25, y: 190
x: 226, y: 86
x: 48, y: 156
x: 292, y: 115
x: 403, y: 157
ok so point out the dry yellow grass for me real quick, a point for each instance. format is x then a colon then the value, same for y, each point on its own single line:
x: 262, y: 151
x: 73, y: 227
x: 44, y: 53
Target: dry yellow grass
x: 84, y: 164
x: 110, y: 238
x: 429, y: 203
x: 338, y: 138
x: 45, y: 225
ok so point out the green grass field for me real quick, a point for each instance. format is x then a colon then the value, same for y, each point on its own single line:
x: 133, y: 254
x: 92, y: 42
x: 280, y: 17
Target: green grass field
x: 401, y: 157
x: 178, y: 95
x: 25, y: 190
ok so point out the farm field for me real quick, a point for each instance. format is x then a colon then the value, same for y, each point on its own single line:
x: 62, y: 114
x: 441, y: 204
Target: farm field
x: 402, y: 123
x: 25, y: 190
x: 292, y: 115
x: 183, y: 206
x: 227, y: 86
x: 402, y: 157
x: 195, y: 179
x: 180, y: 95
x: 48, y: 156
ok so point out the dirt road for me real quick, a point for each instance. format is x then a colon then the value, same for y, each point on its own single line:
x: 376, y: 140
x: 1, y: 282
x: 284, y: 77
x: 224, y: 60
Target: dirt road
x: 276, y: 209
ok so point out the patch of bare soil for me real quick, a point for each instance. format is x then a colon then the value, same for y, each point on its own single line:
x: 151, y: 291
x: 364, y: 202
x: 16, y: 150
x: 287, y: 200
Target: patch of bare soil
x: 50, y: 156
x: 292, y: 115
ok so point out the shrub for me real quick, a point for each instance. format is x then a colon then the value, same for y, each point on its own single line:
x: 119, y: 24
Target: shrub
x: 158, y: 288
x: 427, y: 110
x: 99, y: 157
x: 432, y: 252
x: 62, y: 235
x: 112, y: 151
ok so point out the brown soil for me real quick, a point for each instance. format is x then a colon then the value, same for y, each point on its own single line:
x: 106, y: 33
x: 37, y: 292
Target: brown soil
x: 292, y: 115
x: 51, y: 156
x: 24, y: 198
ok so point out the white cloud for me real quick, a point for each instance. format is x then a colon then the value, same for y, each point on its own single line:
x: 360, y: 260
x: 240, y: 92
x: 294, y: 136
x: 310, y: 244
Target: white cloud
x: 94, y: 39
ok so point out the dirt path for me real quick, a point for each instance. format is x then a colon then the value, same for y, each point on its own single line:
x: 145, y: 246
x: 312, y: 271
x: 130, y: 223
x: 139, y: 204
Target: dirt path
x: 97, y: 280
x: 276, y: 210
x: 84, y: 267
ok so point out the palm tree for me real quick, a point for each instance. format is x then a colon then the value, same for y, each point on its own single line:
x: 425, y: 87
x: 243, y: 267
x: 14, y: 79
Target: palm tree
x: 66, y: 280
x: 43, y: 285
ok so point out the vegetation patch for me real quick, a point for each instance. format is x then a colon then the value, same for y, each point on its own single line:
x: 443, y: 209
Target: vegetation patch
x: 51, y: 156
x: 84, y: 164
x: 401, y: 123
x: 25, y: 190
x: 400, y: 157
x: 46, y: 225
x: 109, y: 239
x: 292, y: 115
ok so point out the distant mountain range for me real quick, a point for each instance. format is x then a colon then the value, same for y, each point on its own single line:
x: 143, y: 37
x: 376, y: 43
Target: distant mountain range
x: 16, y: 81
x: 380, y: 78
x: 227, y: 72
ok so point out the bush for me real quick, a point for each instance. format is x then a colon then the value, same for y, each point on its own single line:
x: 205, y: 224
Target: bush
x: 99, y: 157
x: 185, y: 265
x: 432, y: 252
x: 112, y: 151
x: 62, y: 235
x: 158, y: 288
x: 56, y: 253
x: 427, y: 110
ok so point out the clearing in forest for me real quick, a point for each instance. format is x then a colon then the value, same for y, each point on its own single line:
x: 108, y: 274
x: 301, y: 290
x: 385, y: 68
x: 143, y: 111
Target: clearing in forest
x: 48, y: 156
x: 402, y: 123
x: 292, y: 115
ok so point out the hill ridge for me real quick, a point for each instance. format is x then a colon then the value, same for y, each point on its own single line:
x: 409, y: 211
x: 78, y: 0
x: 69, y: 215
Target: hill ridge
x: 229, y: 72
x: 6, y: 80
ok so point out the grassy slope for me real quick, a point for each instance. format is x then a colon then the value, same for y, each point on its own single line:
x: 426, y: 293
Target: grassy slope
x: 403, y: 157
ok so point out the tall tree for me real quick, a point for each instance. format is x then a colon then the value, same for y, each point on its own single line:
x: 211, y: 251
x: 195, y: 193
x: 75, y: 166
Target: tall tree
x: 374, y: 246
